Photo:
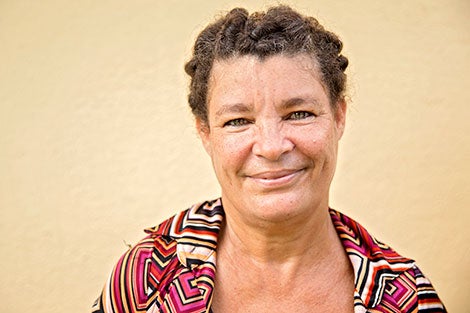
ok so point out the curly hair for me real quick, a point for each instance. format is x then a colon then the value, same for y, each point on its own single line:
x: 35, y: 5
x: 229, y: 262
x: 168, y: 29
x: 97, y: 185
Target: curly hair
x: 279, y: 30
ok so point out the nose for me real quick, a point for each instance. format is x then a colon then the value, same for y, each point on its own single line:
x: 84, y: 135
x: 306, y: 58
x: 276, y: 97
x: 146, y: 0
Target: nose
x: 271, y: 142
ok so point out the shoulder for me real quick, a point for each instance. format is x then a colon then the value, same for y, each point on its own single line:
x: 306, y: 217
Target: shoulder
x: 128, y: 287
x: 148, y: 267
x: 164, y: 245
x: 411, y: 291
x: 385, y: 279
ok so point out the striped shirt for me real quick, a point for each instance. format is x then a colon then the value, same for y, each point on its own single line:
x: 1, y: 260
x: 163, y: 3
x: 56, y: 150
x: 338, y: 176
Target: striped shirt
x: 173, y: 269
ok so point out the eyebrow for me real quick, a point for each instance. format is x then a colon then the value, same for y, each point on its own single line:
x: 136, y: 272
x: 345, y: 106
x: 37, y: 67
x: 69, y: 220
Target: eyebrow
x: 232, y: 108
x: 293, y: 102
x: 243, y: 108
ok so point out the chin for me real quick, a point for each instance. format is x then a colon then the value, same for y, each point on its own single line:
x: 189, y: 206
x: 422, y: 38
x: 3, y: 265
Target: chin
x: 280, y: 207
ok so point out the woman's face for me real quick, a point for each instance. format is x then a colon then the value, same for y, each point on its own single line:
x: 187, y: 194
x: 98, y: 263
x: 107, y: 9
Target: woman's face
x: 272, y: 136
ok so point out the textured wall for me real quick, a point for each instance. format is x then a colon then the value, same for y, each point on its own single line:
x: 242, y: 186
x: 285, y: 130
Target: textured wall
x: 96, y: 141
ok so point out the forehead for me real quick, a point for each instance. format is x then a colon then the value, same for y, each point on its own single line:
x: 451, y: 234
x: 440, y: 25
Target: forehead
x: 247, y: 64
x: 241, y: 78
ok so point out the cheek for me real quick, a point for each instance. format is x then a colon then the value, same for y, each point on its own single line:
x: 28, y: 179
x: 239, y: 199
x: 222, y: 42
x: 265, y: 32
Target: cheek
x: 230, y: 152
x: 312, y: 138
x: 319, y: 144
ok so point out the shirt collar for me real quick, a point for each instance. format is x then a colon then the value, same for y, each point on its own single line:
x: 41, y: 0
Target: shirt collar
x: 374, y: 262
x: 196, y: 231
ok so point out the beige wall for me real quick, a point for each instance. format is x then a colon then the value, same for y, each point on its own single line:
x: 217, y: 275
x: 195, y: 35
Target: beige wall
x: 96, y: 141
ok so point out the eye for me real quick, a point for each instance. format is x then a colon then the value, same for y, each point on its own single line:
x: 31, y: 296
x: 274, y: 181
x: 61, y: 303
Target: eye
x: 237, y: 122
x: 299, y: 115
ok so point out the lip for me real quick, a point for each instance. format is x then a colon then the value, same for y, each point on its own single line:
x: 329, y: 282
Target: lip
x: 277, y: 178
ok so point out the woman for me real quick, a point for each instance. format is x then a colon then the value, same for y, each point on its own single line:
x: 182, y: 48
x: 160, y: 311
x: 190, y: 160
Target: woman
x: 267, y: 92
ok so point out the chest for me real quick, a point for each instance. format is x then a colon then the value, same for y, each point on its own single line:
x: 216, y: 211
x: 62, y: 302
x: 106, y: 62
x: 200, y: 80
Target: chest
x: 242, y: 293
x: 291, y: 303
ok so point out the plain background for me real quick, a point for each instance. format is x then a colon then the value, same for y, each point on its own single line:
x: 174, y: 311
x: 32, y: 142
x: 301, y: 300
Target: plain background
x: 97, y: 142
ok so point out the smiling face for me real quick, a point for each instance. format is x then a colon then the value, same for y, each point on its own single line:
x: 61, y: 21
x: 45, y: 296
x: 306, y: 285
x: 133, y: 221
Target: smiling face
x: 272, y: 136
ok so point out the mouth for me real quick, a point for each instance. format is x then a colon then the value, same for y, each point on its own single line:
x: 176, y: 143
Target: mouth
x: 276, y: 179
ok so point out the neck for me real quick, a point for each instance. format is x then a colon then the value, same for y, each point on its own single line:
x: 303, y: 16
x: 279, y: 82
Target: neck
x: 300, y: 240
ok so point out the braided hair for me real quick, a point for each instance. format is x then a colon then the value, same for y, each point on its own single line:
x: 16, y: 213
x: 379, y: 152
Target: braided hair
x: 279, y: 30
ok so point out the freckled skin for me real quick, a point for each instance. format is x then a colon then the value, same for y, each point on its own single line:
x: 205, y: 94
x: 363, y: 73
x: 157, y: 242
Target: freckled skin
x: 256, y: 127
x: 273, y: 138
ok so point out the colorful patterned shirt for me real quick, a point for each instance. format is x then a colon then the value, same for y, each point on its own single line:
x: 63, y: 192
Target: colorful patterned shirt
x: 173, y: 269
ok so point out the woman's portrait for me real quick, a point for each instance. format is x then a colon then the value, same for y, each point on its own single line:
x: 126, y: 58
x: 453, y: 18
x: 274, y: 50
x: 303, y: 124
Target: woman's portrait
x: 247, y: 156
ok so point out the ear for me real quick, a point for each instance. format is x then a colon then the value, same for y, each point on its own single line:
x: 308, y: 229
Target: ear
x: 203, y: 131
x: 340, y: 117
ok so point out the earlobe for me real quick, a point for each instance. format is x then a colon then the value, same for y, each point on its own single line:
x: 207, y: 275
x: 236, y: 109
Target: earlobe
x: 203, y: 132
x: 340, y: 116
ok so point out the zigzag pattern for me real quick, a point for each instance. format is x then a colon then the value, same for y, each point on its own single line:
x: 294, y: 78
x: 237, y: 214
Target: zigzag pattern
x: 401, y: 293
x: 173, y: 269
x: 385, y: 280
